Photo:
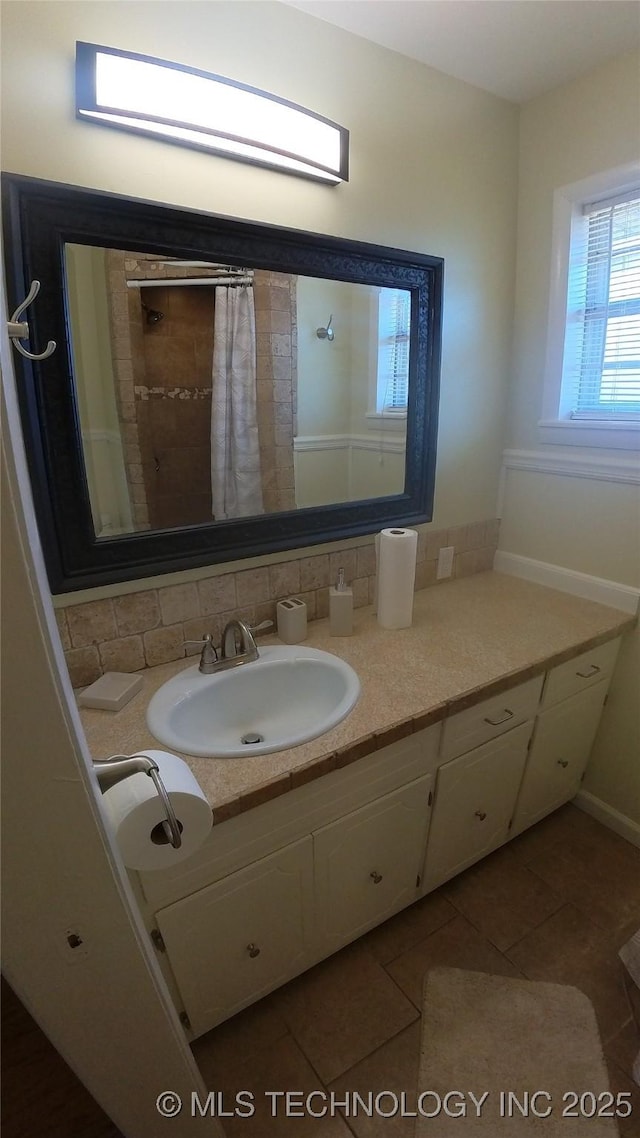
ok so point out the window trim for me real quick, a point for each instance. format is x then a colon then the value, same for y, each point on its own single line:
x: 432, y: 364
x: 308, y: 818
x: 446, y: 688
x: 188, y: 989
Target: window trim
x: 555, y: 426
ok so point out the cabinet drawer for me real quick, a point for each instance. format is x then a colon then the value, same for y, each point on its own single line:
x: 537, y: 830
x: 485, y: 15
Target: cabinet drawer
x: 492, y: 717
x: 579, y: 673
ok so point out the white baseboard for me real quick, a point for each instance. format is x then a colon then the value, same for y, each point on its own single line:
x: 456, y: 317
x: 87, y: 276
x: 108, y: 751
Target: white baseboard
x: 597, y: 589
x: 609, y: 817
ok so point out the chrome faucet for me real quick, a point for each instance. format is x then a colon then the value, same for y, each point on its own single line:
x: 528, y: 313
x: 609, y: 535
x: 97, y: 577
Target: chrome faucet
x: 238, y: 647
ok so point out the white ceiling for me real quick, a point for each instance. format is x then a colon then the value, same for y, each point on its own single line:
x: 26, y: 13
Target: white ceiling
x: 514, y: 48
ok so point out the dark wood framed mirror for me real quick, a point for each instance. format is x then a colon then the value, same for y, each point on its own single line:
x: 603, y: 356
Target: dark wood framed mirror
x: 122, y: 422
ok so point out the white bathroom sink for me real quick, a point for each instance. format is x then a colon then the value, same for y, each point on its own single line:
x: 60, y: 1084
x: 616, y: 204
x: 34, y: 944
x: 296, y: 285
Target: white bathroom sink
x: 289, y: 695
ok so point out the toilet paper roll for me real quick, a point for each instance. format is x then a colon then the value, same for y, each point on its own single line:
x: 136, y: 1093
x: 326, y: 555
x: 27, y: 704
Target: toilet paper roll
x: 396, y: 577
x: 136, y: 813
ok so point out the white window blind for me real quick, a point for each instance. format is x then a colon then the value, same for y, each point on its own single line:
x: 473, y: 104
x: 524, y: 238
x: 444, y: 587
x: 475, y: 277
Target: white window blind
x: 601, y: 370
x: 394, y: 317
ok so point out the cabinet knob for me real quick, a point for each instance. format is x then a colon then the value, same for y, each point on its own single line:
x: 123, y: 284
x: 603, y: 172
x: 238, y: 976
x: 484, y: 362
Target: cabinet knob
x: 592, y: 670
x: 253, y: 950
x: 563, y: 762
x: 375, y: 877
x: 496, y: 722
x: 481, y: 814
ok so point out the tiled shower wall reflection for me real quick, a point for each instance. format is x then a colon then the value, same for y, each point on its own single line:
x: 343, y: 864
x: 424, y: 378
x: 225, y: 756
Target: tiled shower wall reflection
x: 138, y: 630
x: 162, y: 348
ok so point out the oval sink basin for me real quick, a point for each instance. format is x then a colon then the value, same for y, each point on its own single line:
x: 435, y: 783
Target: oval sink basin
x: 289, y: 695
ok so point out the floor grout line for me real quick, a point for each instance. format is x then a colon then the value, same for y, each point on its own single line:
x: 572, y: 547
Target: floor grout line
x: 589, y: 963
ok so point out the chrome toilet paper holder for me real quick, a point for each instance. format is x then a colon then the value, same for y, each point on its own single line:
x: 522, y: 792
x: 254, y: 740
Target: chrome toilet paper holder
x: 113, y: 770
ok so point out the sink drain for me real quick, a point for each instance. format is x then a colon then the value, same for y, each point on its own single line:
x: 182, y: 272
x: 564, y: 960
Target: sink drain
x: 252, y: 737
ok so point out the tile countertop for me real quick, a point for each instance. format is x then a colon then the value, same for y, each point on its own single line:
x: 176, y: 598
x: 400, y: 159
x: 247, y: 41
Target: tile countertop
x: 470, y: 639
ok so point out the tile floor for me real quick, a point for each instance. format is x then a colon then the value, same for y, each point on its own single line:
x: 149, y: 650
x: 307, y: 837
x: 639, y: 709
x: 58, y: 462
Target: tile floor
x: 554, y: 904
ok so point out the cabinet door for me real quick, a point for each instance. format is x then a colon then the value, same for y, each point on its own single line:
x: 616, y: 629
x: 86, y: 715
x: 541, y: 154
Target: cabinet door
x: 474, y: 802
x: 367, y: 864
x: 233, y: 942
x: 562, y: 742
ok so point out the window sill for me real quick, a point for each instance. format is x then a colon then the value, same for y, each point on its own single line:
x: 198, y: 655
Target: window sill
x: 590, y: 433
x: 386, y: 421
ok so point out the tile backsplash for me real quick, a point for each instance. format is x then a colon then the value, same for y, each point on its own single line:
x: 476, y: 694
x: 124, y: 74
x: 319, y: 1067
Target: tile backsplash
x: 138, y: 630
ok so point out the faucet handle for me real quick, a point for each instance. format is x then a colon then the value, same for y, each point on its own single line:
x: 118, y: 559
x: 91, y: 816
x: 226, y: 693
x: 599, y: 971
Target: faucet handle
x: 203, y: 640
x: 209, y: 650
x: 264, y: 624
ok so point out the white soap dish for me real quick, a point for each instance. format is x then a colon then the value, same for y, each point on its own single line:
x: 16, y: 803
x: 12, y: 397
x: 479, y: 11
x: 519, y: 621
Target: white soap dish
x: 111, y: 692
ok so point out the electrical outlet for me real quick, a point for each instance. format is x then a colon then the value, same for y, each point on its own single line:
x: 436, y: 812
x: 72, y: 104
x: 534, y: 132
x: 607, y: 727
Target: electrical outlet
x: 445, y: 562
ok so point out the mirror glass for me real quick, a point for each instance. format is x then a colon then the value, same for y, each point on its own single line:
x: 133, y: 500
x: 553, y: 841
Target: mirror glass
x: 221, y: 388
x: 208, y: 391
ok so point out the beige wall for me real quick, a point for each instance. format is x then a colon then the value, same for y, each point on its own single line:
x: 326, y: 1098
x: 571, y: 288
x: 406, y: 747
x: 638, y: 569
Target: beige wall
x: 432, y: 170
x: 582, y: 523
x: 334, y: 380
x: 575, y: 131
x: 324, y: 366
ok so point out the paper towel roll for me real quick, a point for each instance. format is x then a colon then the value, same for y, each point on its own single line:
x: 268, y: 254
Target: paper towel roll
x: 136, y: 813
x: 396, y: 577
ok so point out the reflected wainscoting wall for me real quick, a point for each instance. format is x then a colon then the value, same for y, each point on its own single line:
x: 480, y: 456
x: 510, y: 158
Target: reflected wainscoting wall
x: 137, y: 630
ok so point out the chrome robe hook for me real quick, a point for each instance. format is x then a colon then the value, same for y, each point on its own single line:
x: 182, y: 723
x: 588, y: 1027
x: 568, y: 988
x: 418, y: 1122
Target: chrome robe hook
x: 19, y: 330
x: 326, y: 333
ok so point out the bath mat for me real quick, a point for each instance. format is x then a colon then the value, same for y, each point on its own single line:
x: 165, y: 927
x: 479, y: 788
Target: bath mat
x: 533, y: 1049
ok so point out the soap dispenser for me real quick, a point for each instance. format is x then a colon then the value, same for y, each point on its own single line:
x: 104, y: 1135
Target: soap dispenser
x: 340, y: 608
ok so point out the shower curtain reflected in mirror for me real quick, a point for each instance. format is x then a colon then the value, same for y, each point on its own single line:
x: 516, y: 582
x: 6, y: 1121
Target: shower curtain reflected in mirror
x: 236, y: 480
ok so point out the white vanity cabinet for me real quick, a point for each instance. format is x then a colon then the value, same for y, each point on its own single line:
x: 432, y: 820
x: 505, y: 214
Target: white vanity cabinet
x: 280, y: 887
x: 476, y: 790
x: 560, y: 748
x: 236, y: 940
x: 475, y: 799
x: 572, y: 701
x: 368, y: 865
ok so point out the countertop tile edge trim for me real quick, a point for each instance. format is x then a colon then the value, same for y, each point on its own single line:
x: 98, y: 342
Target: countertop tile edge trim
x: 369, y: 744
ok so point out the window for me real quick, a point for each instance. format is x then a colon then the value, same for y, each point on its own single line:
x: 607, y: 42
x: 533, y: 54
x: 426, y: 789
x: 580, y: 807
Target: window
x: 394, y: 319
x: 602, y: 355
x: 592, y: 388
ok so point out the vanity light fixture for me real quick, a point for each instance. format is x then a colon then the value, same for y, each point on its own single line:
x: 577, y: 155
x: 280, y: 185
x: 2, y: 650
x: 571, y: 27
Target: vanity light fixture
x: 198, y: 109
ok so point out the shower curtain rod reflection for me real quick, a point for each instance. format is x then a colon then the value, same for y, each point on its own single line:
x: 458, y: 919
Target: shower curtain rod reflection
x: 235, y: 280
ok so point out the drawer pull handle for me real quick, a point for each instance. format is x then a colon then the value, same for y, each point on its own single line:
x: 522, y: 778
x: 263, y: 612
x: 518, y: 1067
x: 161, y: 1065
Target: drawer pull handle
x: 376, y: 877
x: 253, y: 950
x: 481, y: 814
x: 563, y: 763
x: 496, y: 722
x: 591, y: 671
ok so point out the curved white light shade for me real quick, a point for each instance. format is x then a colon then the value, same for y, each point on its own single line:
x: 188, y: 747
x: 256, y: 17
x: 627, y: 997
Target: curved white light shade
x: 198, y: 109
